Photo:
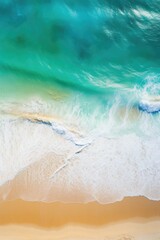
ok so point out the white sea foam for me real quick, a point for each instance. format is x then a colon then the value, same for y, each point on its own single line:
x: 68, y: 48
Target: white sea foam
x: 46, y: 160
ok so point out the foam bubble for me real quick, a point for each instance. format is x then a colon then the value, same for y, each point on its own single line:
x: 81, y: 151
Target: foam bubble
x: 38, y: 163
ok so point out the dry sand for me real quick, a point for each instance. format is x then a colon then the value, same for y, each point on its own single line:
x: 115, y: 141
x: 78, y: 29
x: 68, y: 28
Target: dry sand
x: 117, y: 231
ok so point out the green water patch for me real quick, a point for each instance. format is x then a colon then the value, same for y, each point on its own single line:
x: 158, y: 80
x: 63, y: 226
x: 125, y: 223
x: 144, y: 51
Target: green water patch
x: 19, y: 84
x: 101, y: 49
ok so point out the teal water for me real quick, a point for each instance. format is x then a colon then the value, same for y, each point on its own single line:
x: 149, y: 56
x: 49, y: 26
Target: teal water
x: 98, y: 50
x: 79, y: 99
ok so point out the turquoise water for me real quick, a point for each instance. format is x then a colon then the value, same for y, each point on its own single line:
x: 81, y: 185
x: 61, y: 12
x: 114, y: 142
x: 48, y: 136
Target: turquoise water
x: 100, y: 51
x: 79, y: 99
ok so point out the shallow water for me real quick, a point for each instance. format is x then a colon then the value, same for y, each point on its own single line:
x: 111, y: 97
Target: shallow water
x: 101, y: 54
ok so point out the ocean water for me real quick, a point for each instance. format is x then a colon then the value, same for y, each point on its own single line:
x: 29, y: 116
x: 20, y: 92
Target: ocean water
x: 79, y: 100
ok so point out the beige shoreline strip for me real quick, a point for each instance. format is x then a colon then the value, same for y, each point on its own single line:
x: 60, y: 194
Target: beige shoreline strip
x: 33, y: 117
x: 51, y: 215
x: 118, y: 231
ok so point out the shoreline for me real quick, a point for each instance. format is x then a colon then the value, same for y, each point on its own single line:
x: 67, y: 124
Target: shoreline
x: 131, y: 219
x: 53, y: 215
x: 118, y: 231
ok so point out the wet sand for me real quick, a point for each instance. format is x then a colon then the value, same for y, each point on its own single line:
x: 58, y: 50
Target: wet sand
x: 132, y: 218
x: 59, y: 214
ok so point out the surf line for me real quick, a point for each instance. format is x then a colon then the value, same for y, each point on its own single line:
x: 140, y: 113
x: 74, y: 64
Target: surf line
x: 71, y: 135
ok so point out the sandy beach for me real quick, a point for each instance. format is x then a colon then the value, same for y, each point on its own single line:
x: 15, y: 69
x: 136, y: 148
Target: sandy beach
x: 119, y: 231
x: 132, y: 218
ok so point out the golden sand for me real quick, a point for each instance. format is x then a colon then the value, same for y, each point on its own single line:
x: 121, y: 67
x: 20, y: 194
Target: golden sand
x: 128, y: 219
x: 59, y: 214
x: 118, y: 231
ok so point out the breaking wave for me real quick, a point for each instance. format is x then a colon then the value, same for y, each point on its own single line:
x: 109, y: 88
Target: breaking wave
x: 44, y: 158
